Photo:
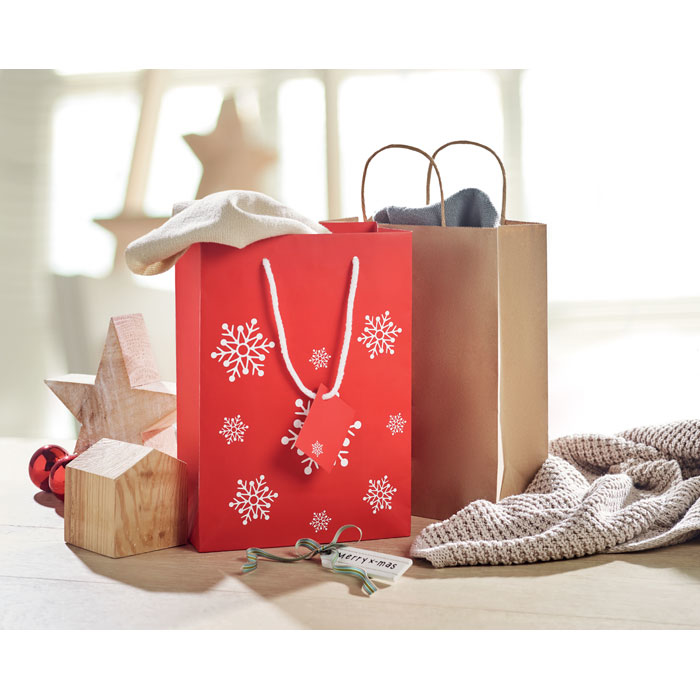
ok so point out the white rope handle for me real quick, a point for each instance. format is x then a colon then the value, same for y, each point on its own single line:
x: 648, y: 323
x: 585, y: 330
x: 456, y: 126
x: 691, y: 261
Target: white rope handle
x: 346, y: 338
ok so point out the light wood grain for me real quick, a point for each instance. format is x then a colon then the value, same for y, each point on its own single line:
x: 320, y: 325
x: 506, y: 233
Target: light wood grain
x: 125, y: 400
x: 180, y: 588
x: 124, y: 499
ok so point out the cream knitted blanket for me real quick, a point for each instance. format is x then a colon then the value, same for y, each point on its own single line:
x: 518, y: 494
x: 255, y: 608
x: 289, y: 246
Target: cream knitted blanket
x: 637, y: 490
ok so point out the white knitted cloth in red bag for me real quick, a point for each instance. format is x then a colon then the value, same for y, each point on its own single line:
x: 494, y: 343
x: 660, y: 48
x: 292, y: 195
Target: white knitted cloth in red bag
x: 234, y: 217
x: 637, y: 490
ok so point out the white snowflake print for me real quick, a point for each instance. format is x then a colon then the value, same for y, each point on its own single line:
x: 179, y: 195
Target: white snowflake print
x: 379, y: 335
x: 242, y: 349
x: 233, y: 430
x: 396, y: 424
x: 379, y: 494
x: 253, y: 500
x: 293, y: 433
x: 319, y: 358
x: 317, y: 449
x: 320, y: 521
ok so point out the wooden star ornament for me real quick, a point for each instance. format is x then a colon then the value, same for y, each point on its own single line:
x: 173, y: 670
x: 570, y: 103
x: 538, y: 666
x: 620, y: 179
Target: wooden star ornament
x: 229, y: 160
x: 125, y: 400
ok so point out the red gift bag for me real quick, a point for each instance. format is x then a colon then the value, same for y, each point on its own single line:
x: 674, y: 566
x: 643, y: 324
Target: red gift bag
x: 259, y: 330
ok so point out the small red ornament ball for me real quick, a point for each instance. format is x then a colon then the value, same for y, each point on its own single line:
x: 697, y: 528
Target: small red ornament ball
x: 41, y: 463
x: 57, y: 478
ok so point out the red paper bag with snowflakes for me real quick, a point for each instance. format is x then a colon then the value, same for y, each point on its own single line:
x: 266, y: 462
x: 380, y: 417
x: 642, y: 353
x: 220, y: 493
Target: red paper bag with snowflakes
x: 285, y: 330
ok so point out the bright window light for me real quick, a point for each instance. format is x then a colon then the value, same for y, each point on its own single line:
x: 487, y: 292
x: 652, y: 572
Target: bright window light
x: 302, y: 147
x: 610, y: 164
x: 175, y: 170
x: 423, y: 109
x: 92, y: 142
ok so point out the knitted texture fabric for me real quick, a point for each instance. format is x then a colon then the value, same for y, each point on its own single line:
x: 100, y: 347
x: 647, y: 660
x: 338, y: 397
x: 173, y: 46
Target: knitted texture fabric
x: 469, y: 207
x: 637, y: 490
x: 234, y: 217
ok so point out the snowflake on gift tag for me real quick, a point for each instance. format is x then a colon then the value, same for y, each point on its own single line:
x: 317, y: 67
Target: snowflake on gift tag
x: 242, y: 349
x: 253, y: 500
x: 319, y: 358
x: 320, y: 521
x: 396, y: 423
x: 317, y: 449
x: 379, y: 335
x: 293, y: 433
x: 379, y: 494
x: 233, y: 430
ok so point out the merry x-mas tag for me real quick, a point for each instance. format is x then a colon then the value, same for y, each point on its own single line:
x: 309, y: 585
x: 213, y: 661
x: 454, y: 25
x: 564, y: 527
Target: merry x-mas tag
x: 325, y: 428
x: 387, y: 567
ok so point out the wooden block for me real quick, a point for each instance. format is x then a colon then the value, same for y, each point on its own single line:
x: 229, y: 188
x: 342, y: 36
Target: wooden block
x: 124, y: 499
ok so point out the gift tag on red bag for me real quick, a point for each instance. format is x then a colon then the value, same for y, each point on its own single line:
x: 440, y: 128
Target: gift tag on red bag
x: 324, y: 429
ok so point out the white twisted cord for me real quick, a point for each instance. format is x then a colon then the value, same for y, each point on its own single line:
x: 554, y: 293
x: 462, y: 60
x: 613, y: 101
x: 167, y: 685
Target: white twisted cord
x: 346, y: 338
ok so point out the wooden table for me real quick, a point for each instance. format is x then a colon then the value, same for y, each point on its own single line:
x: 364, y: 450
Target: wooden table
x: 45, y: 583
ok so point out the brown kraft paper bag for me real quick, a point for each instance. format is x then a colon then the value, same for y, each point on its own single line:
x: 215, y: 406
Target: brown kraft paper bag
x: 479, y: 356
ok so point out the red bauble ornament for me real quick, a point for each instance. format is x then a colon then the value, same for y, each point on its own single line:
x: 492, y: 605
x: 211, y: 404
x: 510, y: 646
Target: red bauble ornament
x: 41, y: 463
x: 57, y: 478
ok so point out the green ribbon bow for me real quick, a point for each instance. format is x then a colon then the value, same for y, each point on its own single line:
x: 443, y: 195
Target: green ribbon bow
x: 315, y: 548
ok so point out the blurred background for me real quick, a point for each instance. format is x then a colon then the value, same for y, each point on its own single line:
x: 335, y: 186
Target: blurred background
x: 608, y: 159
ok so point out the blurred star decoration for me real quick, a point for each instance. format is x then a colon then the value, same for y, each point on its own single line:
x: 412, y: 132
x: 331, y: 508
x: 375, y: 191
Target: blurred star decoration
x: 230, y: 161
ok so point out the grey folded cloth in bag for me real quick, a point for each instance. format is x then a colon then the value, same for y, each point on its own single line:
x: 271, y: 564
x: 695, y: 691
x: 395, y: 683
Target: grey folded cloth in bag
x: 470, y: 207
